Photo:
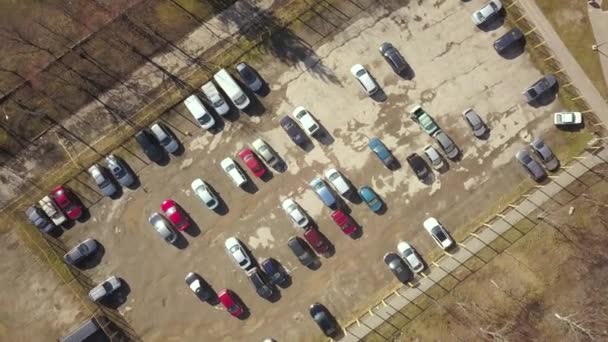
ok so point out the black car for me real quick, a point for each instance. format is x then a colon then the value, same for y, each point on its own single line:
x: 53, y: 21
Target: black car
x: 150, y: 145
x: 508, y: 40
x: 326, y: 322
x: 250, y: 77
x: 418, y: 165
x: 400, y: 270
x: 393, y: 57
x: 293, y: 130
x: 274, y: 271
x: 262, y: 287
x: 301, y: 250
x: 199, y: 286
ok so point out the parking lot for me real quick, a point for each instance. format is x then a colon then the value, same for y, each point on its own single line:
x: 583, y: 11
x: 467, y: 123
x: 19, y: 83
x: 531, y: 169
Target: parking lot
x: 454, y: 68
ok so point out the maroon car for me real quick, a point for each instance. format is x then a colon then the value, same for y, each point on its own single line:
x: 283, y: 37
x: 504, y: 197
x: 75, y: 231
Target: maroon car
x: 65, y: 200
x: 344, y: 221
x: 316, y: 240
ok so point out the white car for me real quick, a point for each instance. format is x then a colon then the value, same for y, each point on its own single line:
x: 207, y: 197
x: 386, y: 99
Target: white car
x: 485, y: 13
x: 233, y: 171
x: 337, y: 181
x: 567, y: 118
x: 216, y: 99
x: 434, y: 157
x: 199, y: 112
x: 365, y: 79
x: 203, y: 192
x: 408, y: 253
x: 295, y: 213
x: 264, y: 152
x: 308, y: 123
x: 52, y: 211
x: 238, y: 253
x: 104, y: 289
x: 438, y: 233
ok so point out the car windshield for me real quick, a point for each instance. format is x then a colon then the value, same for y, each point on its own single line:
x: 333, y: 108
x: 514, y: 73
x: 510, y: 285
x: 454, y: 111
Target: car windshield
x: 107, y: 286
x: 83, y: 249
x: 104, y: 182
x: 300, y: 114
x: 312, y: 128
x: 204, y: 119
x: 241, y: 99
x: 532, y: 92
x: 373, y: 201
x: 408, y: 252
x: 319, y: 186
x: 263, y: 149
x: 360, y: 73
x: 439, y: 234
x: 479, y: 16
x: 233, y: 308
x: 165, y: 141
x: 287, y: 125
x: 230, y: 167
x: 171, y: 211
x: 247, y: 74
x: 334, y: 176
x: 218, y: 102
x: 526, y: 159
x: 119, y: 172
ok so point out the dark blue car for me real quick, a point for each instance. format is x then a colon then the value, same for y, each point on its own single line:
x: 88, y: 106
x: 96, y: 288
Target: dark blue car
x: 274, y: 271
x: 381, y: 151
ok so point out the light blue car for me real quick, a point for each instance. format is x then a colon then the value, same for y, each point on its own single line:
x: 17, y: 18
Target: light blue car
x: 381, y: 152
x: 319, y: 186
x: 372, y: 200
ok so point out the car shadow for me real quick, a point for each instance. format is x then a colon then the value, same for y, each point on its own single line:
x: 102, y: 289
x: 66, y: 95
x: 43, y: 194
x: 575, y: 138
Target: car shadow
x: 486, y: 134
x: 246, y: 311
x: 358, y: 233
x: 85, y: 216
x: 430, y: 178
x: 545, y: 99
x: 164, y: 159
x: 119, y: 191
x: 308, y: 145
x: 276, y: 294
x: 324, y: 137
x: 222, y: 208
x: 267, y: 176
x: 180, y: 148
x: 395, y: 165
x: 249, y: 186
x: 218, y: 127
x: 408, y: 73
x: 379, y: 95
x: 118, y: 297
x: 571, y: 128
x: 180, y: 242
x: 515, y: 50
x: 494, y: 23
x: 255, y: 108
x: 93, y: 260
x: 339, y: 334
x: 193, y: 229
x: 383, y: 209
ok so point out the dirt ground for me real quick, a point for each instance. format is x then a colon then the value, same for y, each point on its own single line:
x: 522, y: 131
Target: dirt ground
x: 454, y: 67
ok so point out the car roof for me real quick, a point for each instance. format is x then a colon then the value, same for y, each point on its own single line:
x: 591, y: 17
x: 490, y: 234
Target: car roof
x: 227, y: 161
x: 430, y: 222
x: 356, y: 68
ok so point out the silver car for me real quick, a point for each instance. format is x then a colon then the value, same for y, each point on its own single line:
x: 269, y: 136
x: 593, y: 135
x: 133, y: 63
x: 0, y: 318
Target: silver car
x: 164, y: 137
x: 434, y: 157
x: 80, y: 252
x: 120, y: 170
x: 530, y: 165
x: 475, y: 123
x: 447, y: 144
x: 162, y: 228
x: 409, y: 254
x: 105, y: 184
x: 544, y: 153
x: 104, y: 289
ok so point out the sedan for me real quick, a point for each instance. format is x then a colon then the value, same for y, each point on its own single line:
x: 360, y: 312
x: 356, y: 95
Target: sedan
x: 393, y: 57
x: 104, y: 289
x: 295, y: 213
x: 365, y: 79
x: 316, y: 240
x: 262, y: 288
x: 275, y: 272
x: 418, y: 165
x: 321, y: 189
x: 409, y: 254
x: 381, y: 151
x: 509, y: 39
x: 105, y: 183
x: 164, y: 137
x: 162, y: 228
x: 326, y: 322
x: 337, y: 181
x: 120, y: 170
x: 252, y: 162
x: 544, y: 153
x: 567, y: 118
x: 434, y: 157
x: 293, y: 130
x: 438, y: 233
x: 344, y: 221
x: 475, y: 123
x: 231, y: 303
x: 66, y: 202
x: 265, y: 152
x: 237, y: 252
x: 310, y: 125
x: 39, y: 219
x: 302, y: 251
x: 369, y: 196
x: 539, y: 88
x: 447, y: 144
x: 175, y: 214
x: 530, y: 165
x: 249, y: 76
x: 233, y: 171
x: 199, y: 286
x: 80, y: 252
x: 487, y: 12
x: 398, y: 267
x: 202, y: 190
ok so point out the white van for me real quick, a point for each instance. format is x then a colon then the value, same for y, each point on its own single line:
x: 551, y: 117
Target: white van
x: 232, y: 89
x: 200, y: 113
x: 51, y: 210
x: 216, y: 99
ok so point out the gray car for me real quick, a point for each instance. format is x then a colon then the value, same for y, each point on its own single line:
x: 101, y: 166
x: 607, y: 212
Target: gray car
x: 475, y: 123
x: 249, y: 76
x: 104, y: 289
x: 120, y: 170
x: 162, y: 228
x: 393, y: 57
x: 544, y: 153
x: 301, y: 251
x: 80, y: 252
x: 539, y: 88
x: 530, y: 165
x: 105, y: 183
x: 399, y: 268
x: 447, y: 144
x: 164, y: 137
x: 39, y: 219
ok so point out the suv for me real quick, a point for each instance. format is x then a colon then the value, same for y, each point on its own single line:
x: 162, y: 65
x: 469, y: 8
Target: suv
x: 104, y: 289
x: 233, y: 171
x: 418, y: 165
x: 39, y: 219
x: 446, y: 143
x: 301, y: 250
x: 149, y: 145
x: 424, y: 119
x: 164, y: 137
x: 262, y: 287
x: 393, y: 57
x: 106, y: 185
x: 507, y: 40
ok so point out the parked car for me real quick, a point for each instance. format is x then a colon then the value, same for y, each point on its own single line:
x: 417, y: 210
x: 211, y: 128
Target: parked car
x: 202, y: 190
x: 199, y: 286
x: 252, y: 162
x: 371, y: 198
x: 232, y: 89
x: 438, y: 233
x: 264, y: 151
x: 80, y: 252
x: 249, y: 76
x: 393, y: 57
x: 162, y: 228
x: 216, y: 99
x: 308, y: 123
x: 337, y: 181
x: 324, y: 320
x: 233, y: 171
x: 508, y: 40
x: 238, y: 254
x: 567, y: 118
x: 424, y: 120
x: 321, y: 189
x: 105, y: 183
x: 434, y: 157
x: 398, y: 267
x: 447, y: 144
x: 39, y: 219
x: 301, y: 250
x: 487, y: 12
x: 262, y: 288
x: 344, y: 221
x: 365, y: 79
x: 293, y: 130
x: 418, y: 165
x: 275, y: 272
x: 539, y: 88
x: 164, y: 137
x: 150, y: 146
x: 410, y: 256
x: 51, y: 210
x: 381, y: 152
x: 544, y: 154
x: 104, y: 289
x: 475, y: 123
x: 175, y: 214
x: 120, y: 170
x: 295, y: 213
x: 67, y: 202
x: 231, y: 303
x: 530, y: 165
x: 316, y: 240
x: 199, y: 112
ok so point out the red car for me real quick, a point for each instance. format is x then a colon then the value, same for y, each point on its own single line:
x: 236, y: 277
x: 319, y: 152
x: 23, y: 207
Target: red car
x: 65, y: 200
x: 252, y: 162
x: 316, y: 240
x: 344, y: 221
x: 230, y: 302
x: 175, y: 214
